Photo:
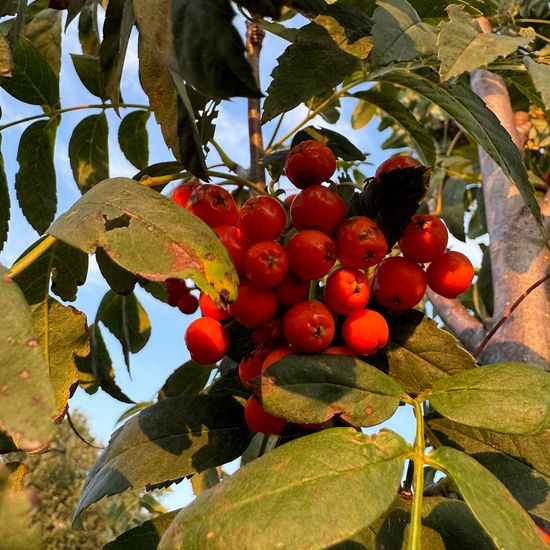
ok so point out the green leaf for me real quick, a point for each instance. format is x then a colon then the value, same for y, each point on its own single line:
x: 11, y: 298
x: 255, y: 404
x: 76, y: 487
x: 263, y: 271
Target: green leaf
x: 75, y: 7
x: 362, y: 114
x: 463, y: 47
x: 419, y: 353
x: 284, y: 486
x: 44, y: 31
x: 507, y: 397
x: 120, y: 280
x: 126, y: 319
x: 519, y: 462
x: 27, y: 402
x: 471, y: 113
x: 145, y: 536
x: 204, y: 481
x: 540, y: 75
x: 189, y: 378
x: 35, y: 182
x: 33, y: 80
x: 133, y: 138
x: 422, y: 140
x: 312, y: 389
x: 6, y: 59
x: 506, y: 522
x: 88, y: 70
x: 4, y: 202
x: 89, y: 151
x: 314, y: 53
x: 118, y: 214
x: 173, y: 438
x: 216, y: 68
x: 341, y: 146
x: 399, y: 34
x: 119, y: 20
x: 88, y: 33
x: 274, y: 163
x: 453, y: 207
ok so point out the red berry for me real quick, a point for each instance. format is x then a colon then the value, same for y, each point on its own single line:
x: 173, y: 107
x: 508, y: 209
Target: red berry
x: 262, y: 218
x: 265, y: 264
x: 398, y: 162
x: 213, y: 205
x: 276, y: 355
x: 287, y: 203
x: 339, y: 350
x: 175, y: 288
x: 188, y: 303
x: 310, y: 254
x: 254, y: 306
x: 206, y: 341
x: 210, y: 309
x: 424, y: 239
x: 292, y: 290
x: 544, y: 534
x: 270, y: 334
x: 258, y: 420
x: 234, y: 240
x: 451, y: 274
x: 309, y: 163
x: 398, y: 283
x: 182, y: 192
x: 547, y: 178
x: 360, y: 243
x: 251, y: 365
x: 347, y: 290
x: 365, y: 332
x: 318, y: 207
x: 309, y: 326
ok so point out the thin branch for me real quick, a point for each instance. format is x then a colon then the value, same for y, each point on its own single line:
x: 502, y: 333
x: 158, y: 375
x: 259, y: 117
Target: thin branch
x: 509, y: 312
x: 228, y: 162
x: 276, y: 130
x: 77, y: 433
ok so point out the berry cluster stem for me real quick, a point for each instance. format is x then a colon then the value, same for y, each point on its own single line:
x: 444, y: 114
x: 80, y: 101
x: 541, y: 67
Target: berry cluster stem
x: 33, y: 255
x: 418, y: 480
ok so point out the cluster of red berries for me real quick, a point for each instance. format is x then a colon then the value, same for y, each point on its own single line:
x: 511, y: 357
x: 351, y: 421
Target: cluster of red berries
x: 280, y: 265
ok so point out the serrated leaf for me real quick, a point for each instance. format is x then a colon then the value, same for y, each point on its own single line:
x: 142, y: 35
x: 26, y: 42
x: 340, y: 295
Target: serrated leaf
x: 75, y: 7
x: 540, y: 75
x: 35, y: 181
x: 120, y: 280
x: 422, y: 140
x: 145, y: 536
x: 506, y: 522
x: 33, y: 80
x: 89, y: 151
x: 470, y: 112
x: 519, y: 462
x: 452, y: 200
x: 189, y: 378
x: 284, y: 486
x: 419, y: 353
x: 506, y: 397
x: 172, y: 242
x: 340, y: 145
x: 6, y: 59
x: 88, y: 33
x: 4, y: 202
x: 314, y: 53
x: 173, y: 438
x: 27, y: 401
x: 44, y: 31
x: 362, y: 114
x: 463, y: 47
x: 399, y: 34
x: 312, y: 389
x: 134, y: 139
x: 88, y: 70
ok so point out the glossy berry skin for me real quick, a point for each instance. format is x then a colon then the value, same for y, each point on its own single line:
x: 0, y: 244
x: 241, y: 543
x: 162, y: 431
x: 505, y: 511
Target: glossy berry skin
x: 398, y: 162
x: 213, y: 205
x: 234, y: 240
x: 276, y: 355
x: 210, y: 309
x: 292, y: 290
x: 310, y: 254
x: 309, y: 163
x: 365, y: 332
x: 262, y: 218
x: 251, y: 365
x: 398, y: 283
x: 451, y: 274
x: 188, y: 303
x: 182, y: 192
x: 317, y: 207
x: 360, y: 243
x: 206, y: 340
x: 347, y: 290
x: 424, y: 239
x: 175, y: 288
x: 339, y: 350
x: 309, y: 326
x: 258, y: 420
x: 254, y: 306
x: 265, y: 264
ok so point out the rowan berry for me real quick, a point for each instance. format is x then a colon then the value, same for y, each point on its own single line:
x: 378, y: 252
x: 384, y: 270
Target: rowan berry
x: 292, y: 290
x: 310, y: 254
x: 347, y: 290
x: 210, y: 309
x: 262, y: 218
x: 365, y: 332
x: 250, y: 365
x: 310, y: 163
x: 396, y: 163
x: 451, y: 274
x: 424, y: 239
x: 206, y: 340
x: 317, y: 207
x: 234, y: 240
x: 254, y: 306
x: 182, y: 192
x: 258, y: 420
x: 276, y: 355
x: 213, y: 205
x: 265, y: 264
x: 360, y: 243
x: 309, y: 326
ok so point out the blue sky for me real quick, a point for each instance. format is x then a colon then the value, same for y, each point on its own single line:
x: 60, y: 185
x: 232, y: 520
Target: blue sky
x: 165, y: 350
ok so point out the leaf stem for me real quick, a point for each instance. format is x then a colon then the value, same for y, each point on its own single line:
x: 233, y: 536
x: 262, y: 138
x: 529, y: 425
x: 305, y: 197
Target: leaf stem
x: 541, y: 21
x: 312, y: 290
x: 29, y: 258
x: 275, y: 131
x: 55, y: 112
x: 418, y: 480
x: 239, y: 181
x: 227, y: 161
